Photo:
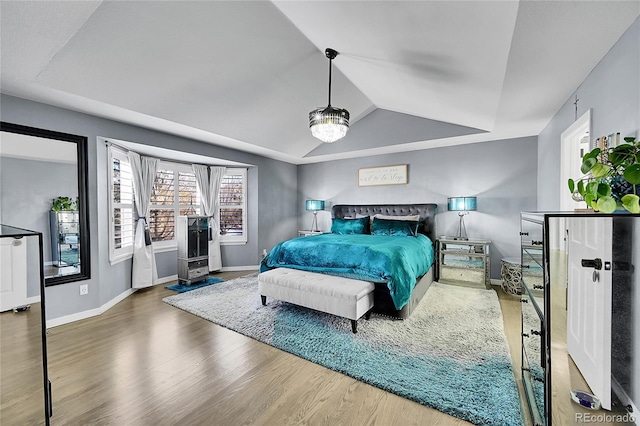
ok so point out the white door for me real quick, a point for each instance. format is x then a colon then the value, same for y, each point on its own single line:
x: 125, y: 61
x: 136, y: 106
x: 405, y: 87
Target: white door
x: 589, y: 302
x: 574, y: 145
x: 13, y: 273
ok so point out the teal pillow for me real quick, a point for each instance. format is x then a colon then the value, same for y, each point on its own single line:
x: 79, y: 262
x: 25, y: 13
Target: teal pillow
x: 394, y: 227
x: 350, y: 226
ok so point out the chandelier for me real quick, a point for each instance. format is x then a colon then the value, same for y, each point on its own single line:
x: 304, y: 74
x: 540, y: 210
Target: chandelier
x: 328, y: 123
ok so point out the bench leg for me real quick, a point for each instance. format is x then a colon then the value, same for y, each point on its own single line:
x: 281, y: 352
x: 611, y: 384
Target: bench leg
x: 368, y: 314
x: 264, y: 300
x: 354, y: 326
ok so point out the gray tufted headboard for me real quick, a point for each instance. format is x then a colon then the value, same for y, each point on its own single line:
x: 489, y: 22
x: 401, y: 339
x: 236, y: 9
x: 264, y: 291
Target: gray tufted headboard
x: 427, y: 213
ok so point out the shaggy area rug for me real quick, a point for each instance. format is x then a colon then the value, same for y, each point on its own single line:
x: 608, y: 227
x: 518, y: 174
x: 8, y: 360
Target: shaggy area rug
x: 451, y: 354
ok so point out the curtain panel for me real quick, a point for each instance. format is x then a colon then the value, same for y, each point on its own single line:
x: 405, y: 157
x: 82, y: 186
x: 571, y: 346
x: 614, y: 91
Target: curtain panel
x: 143, y: 170
x: 209, y: 180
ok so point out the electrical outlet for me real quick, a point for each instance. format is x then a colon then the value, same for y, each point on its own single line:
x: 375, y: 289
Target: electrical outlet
x: 84, y: 289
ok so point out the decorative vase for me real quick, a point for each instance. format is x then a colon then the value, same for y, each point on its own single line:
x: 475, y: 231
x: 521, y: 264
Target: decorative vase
x: 620, y: 187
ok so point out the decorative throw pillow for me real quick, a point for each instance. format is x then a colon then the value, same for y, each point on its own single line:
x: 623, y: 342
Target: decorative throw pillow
x: 394, y: 227
x: 350, y: 226
x: 411, y: 217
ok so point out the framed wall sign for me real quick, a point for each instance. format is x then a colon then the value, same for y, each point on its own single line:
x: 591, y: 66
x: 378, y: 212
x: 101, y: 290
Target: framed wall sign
x: 385, y: 175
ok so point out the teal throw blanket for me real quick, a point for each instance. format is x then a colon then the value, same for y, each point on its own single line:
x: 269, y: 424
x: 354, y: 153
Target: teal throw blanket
x: 396, y: 260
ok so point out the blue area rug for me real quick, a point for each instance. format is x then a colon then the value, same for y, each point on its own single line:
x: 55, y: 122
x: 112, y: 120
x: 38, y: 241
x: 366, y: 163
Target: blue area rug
x: 451, y: 354
x: 181, y: 288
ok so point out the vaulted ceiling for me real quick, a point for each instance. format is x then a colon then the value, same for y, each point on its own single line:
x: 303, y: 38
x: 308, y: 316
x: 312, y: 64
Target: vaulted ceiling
x: 245, y: 74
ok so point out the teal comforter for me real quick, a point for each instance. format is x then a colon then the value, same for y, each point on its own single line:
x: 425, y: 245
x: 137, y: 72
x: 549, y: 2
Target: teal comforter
x: 396, y: 260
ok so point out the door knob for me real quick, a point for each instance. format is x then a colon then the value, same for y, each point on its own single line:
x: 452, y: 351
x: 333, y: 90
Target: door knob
x: 592, y: 263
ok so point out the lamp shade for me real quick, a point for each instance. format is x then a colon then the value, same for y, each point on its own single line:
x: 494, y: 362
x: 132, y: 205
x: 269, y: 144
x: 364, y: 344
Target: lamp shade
x: 314, y: 205
x: 461, y: 204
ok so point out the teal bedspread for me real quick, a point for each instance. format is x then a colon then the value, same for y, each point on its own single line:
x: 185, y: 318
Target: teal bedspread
x: 396, y: 260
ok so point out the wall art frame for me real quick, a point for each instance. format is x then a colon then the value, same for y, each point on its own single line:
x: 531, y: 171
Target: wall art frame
x: 383, y: 175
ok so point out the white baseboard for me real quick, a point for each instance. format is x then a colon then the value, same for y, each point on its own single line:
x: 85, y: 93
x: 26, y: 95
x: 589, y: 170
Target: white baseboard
x: 33, y: 299
x: 165, y: 280
x: 91, y: 312
x: 97, y: 311
x: 626, y: 401
x: 240, y: 268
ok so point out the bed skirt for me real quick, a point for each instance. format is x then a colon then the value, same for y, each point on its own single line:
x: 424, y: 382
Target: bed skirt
x: 383, y: 304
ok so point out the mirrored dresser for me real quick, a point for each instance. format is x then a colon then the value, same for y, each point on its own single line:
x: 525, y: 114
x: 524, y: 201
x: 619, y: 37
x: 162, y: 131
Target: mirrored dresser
x: 534, y: 347
x: 580, y: 296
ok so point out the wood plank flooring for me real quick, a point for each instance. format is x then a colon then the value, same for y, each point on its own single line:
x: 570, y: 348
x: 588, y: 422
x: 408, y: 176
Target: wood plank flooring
x: 146, y: 363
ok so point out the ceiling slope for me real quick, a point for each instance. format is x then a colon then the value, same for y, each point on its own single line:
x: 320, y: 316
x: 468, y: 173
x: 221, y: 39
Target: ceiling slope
x: 413, y: 74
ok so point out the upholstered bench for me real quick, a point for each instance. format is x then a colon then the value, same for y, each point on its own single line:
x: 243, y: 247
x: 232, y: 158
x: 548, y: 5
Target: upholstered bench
x: 339, y: 296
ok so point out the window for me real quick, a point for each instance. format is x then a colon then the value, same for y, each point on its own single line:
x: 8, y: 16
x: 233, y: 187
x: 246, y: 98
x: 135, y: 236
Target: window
x: 175, y: 192
x: 170, y: 199
x: 121, y: 206
x: 233, y: 206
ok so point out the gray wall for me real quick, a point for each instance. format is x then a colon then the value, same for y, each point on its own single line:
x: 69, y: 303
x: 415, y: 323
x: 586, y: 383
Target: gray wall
x: 109, y: 281
x: 27, y: 188
x: 612, y: 92
x: 502, y: 174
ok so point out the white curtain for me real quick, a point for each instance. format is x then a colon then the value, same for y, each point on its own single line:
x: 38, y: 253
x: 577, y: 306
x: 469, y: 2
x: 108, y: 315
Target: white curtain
x: 143, y: 271
x: 209, y: 183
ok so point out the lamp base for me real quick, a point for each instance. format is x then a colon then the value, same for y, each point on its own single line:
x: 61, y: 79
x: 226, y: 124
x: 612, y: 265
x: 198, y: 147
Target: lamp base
x: 462, y: 230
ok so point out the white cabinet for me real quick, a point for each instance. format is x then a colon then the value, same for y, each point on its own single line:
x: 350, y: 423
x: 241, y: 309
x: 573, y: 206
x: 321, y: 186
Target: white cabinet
x: 13, y: 273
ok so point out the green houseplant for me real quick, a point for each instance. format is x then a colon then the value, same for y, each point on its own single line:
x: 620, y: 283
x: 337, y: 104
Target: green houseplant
x: 64, y: 204
x: 611, y: 178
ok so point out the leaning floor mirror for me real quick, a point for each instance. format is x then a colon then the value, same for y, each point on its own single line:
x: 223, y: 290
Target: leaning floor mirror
x: 44, y: 188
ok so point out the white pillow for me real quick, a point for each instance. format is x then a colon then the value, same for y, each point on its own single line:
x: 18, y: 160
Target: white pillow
x: 413, y: 217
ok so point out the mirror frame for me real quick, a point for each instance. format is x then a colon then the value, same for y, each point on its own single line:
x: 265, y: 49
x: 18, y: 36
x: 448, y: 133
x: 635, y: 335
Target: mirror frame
x: 83, y: 194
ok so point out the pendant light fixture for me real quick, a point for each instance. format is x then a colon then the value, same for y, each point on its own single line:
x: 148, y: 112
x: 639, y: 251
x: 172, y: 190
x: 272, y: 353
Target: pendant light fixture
x: 329, y: 124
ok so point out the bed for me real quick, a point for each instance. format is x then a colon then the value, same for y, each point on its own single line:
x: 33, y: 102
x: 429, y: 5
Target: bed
x: 398, y: 288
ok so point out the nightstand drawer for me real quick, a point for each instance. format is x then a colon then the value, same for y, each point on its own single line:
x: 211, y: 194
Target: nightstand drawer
x: 461, y: 273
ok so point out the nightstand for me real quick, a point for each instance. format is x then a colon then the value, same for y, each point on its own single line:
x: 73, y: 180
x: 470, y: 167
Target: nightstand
x: 463, y: 261
x: 307, y: 233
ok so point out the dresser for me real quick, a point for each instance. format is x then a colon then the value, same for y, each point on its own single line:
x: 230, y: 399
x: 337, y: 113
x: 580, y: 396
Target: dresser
x: 535, y: 350
x: 193, y: 248
x: 65, y: 238
x: 580, y: 290
x: 24, y: 335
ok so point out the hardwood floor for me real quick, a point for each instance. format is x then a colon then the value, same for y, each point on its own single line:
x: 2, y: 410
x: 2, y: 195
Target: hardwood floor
x: 146, y: 363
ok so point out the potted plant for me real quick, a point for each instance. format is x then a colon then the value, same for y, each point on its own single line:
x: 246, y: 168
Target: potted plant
x: 64, y: 204
x: 612, y: 178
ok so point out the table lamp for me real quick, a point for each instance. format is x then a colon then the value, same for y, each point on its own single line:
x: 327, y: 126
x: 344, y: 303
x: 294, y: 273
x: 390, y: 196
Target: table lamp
x: 462, y: 205
x: 314, y: 205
